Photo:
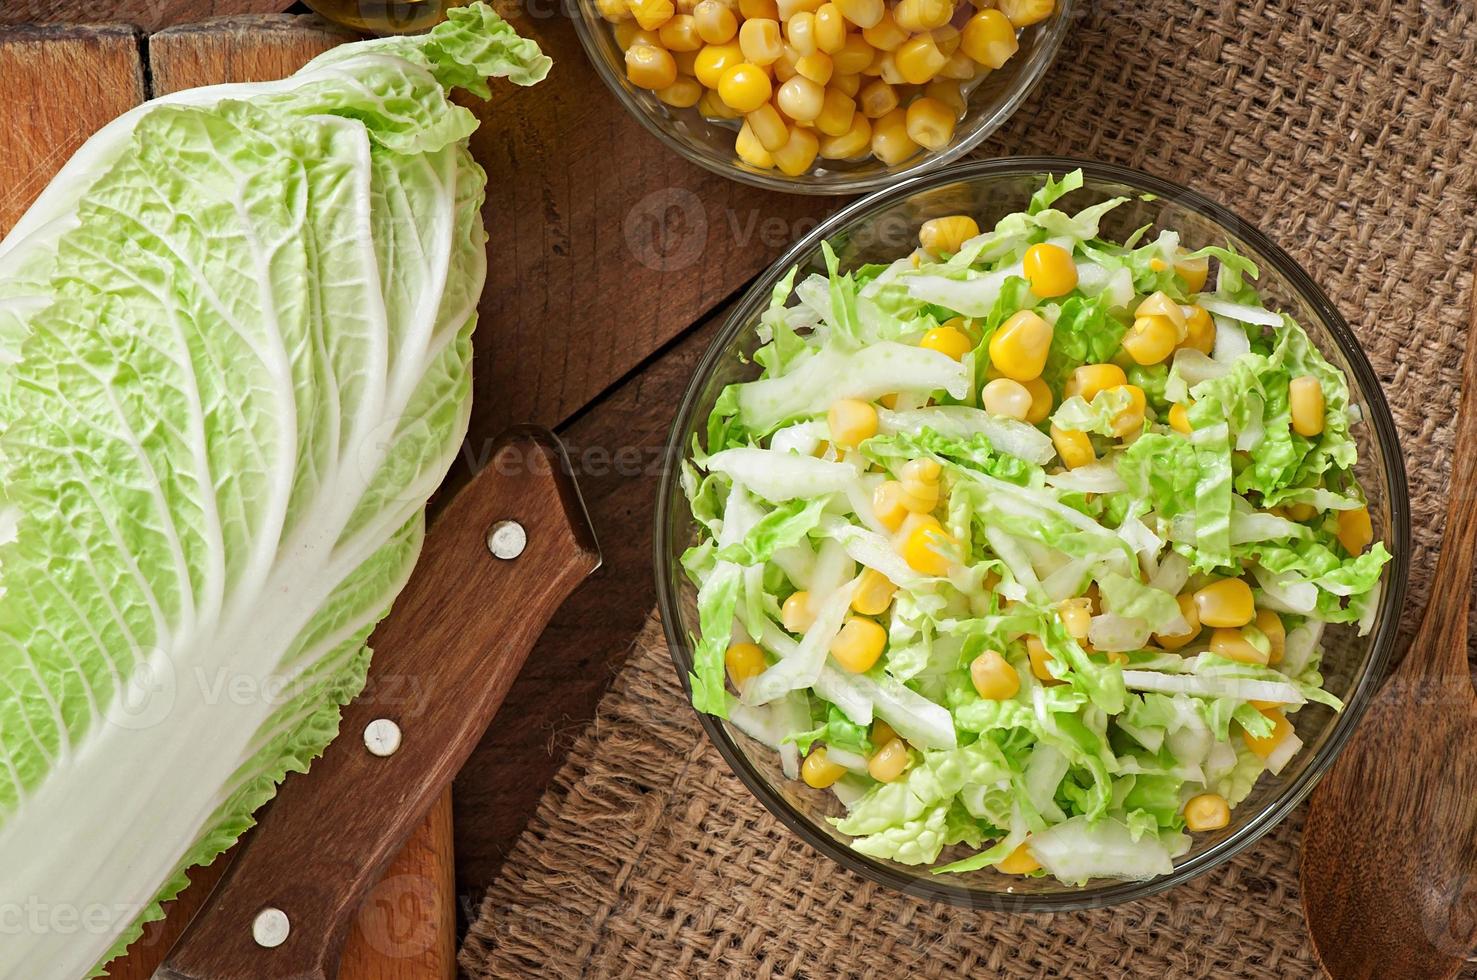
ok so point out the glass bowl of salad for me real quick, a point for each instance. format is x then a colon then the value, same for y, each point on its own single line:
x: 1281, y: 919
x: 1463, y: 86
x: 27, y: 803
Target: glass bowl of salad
x: 835, y: 97
x: 1032, y: 536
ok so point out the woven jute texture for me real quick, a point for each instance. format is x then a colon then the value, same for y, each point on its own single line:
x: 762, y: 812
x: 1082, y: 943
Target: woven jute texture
x: 1345, y: 130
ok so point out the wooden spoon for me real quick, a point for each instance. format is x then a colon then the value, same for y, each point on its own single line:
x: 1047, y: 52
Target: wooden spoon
x: 1389, y: 866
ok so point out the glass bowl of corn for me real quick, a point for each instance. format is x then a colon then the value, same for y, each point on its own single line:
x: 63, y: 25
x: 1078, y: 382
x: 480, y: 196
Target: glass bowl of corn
x: 892, y: 223
x: 821, y: 96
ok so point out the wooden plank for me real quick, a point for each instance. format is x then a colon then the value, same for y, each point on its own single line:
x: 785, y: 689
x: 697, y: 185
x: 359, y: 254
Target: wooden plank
x: 615, y: 448
x: 238, y: 49
x: 604, y: 244
x: 148, y: 15
x: 45, y: 120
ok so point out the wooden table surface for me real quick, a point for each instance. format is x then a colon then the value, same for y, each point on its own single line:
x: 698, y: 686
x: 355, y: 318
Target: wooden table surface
x: 612, y: 262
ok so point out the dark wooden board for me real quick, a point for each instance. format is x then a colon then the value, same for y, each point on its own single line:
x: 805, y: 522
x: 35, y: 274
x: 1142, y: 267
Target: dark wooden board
x: 60, y: 85
x: 148, y: 15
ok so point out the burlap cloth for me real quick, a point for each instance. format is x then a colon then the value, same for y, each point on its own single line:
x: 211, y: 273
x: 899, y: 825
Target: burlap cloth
x: 1346, y: 131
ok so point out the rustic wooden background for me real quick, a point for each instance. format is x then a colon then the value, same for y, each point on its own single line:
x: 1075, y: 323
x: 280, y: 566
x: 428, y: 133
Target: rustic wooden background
x: 611, y: 263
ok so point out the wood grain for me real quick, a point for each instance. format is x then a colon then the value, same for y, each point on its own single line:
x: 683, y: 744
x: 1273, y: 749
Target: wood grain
x: 1389, y: 869
x: 444, y: 658
x: 60, y: 85
x: 604, y: 244
x: 616, y: 448
x: 237, y: 49
x: 148, y: 15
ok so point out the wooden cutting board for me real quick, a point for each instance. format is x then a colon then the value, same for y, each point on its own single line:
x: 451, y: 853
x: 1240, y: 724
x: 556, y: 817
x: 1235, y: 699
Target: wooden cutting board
x: 61, y: 85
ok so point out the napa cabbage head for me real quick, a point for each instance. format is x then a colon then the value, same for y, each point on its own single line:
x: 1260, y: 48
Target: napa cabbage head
x: 236, y: 335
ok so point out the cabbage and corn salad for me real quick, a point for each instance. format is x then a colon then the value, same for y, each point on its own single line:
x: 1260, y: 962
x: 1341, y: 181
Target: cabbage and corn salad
x: 1023, y: 544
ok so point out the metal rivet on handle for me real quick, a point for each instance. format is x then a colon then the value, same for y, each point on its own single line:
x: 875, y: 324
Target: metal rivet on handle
x: 270, y: 928
x: 382, y: 737
x: 507, y: 539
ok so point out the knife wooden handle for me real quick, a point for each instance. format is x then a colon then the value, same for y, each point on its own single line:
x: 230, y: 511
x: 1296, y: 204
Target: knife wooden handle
x: 443, y: 661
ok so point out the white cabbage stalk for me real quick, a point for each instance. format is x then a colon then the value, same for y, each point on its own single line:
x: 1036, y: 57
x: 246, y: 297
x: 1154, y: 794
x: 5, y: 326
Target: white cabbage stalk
x: 238, y: 333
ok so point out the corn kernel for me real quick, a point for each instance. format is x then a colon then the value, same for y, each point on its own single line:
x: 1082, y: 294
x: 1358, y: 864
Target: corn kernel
x: 1179, y: 419
x: 1271, y: 626
x: 712, y: 106
x: 859, y: 644
x: 1050, y: 270
x: 916, y: 16
x: 919, y: 59
x: 744, y: 661
x: 853, y: 55
x: 1306, y: 397
x: 925, y: 545
x: 851, y: 422
x: 888, y: 505
x: 922, y: 470
x: 796, y: 614
x: 744, y: 87
x: 1074, y: 448
x: 889, y: 762
x: 800, y: 33
x: 885, y: 67
x: 760, y: 41
x: 1091, y: 379
x: 890, y: 140
x: 1356, y: 531
x: 816, y: 67
x: 1233, y: 645
x: 1301, y: 512
x: 836, y: 113
x: 1076, y: 616
x: 1161, y: 304
x: 759, y: 10
x: 615, y: 11
x: 818, y: 771
x: 650, y: 67
x: 960, y: 66
x: 873, y: 594
x: 1191, y: 614
x: 801, y: 99
x: 1018, y: 862
x: 1008, y: 398
x: 1039, y: 656
x: 714, y: 21
x: 1208, y: 811
x: 1263, y: 747
x: 880, y: 734
x: 628, y: 33
x: 680, y: 34
x: 1194, y: 272
x: 1151, y: 339
x: 686, y: 62
x: 684, y: 93
x: 993, y: 677
x: 847, y: 85
x: 947, y: 92
x: 1199, y: 331
x: 768, y: 127
x: 930, y: 123
x: 853, y: 143
x: 1130, y: 419
x: 715, y: 59
x: 1227, y: 602
x: 862, y: 13
x: 830, y: 28
x: 784, y: 68
x: 885, y: 35
x: 1018, y: 348
x: 750, y: 150
x: 877, y: 99
x: 651, y: 14
x: 1042, y: 401
x: 989, y: 38
x: 947, y: 37
x: 947, y: 340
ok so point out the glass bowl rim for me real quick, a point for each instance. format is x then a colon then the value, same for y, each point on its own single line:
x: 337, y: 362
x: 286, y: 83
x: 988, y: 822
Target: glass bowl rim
x: 1387, y: 623
x: 1035, y: 71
